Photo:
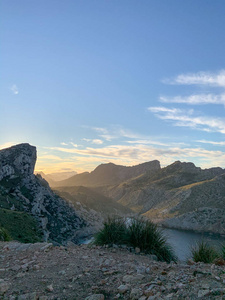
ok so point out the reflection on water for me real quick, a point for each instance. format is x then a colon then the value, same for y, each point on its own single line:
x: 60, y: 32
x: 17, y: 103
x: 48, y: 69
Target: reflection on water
x: 181, y: 241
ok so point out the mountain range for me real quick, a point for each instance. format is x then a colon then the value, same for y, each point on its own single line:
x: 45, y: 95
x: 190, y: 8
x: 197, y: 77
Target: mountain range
x: 180, y: 195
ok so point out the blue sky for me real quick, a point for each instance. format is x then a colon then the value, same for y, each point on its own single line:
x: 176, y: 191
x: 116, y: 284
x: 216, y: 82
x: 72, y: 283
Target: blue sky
x: 91, y: 82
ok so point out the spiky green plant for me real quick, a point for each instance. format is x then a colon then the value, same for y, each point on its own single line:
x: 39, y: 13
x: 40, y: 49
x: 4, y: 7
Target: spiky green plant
x: 204, y: 252
x: 149, y: 238
x: 136, y: 232
x: 4, y: 235
x: 113, y: 232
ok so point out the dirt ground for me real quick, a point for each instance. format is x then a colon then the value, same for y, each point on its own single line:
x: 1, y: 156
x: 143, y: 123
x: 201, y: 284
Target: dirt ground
x: 41, y: 271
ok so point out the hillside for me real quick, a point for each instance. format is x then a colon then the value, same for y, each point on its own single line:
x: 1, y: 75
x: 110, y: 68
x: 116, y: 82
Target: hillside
x: 175, y: 191
x: 91, y: 199
x: 27, y: 198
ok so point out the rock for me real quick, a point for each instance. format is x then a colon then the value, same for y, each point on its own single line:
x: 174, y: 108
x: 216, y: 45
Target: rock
x: 122, y: 289
x: 203, y: 293
x: 133, y: 278
x: 4, y: 286
x: 28, y: 296
x: 50, y: 288
x: 95, y: 297
x: 153, y: 257
x: 47, y: 247
x: 135, y: 294
x: 137, y: 250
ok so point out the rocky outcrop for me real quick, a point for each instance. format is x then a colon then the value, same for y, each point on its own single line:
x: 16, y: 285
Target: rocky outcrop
x: 57, y: 218
x: 17, y: 161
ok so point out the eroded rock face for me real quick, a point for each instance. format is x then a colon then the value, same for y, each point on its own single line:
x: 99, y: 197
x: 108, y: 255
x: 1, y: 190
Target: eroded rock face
x: 18, y: 160
x: 57, y: 218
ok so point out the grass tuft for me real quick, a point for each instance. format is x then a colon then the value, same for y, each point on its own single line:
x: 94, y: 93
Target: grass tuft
x: 113, y: 232
x: 203, y: 252
x: 136, y: 232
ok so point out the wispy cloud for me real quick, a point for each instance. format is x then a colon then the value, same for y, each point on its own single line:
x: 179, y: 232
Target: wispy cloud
x: 93, y: 141
x: 200, y: 78
x: 14, y: 89
x: 195, y: 99
x: 211, y: 142
x: 186, y: 118
x: 135, y: 154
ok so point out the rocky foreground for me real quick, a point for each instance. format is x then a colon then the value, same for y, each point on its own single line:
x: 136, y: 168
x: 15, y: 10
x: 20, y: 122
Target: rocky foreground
x: 41, y: 271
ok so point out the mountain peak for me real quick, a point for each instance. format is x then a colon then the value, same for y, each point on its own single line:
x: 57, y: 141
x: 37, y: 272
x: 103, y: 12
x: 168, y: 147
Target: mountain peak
x: 17, y: 160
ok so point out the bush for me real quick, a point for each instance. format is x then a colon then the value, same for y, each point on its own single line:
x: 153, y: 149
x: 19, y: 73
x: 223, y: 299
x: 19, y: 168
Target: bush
x: 149, y: 238
x: 136, y: 232
x: 113, y: 232
x: 4, y: 235
x: 203, y: 252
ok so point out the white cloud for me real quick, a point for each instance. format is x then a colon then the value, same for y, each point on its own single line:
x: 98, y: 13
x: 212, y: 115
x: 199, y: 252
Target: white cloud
x: 74, y: 145
x: 14, y: 89
x: 139, y: 153
x: 97, y: 141
x: 200, y: 78
x: 195, y: 99
x: 211, y: 142
x: 93, y: 141
x: 186, y: 118
x: 64, y: 144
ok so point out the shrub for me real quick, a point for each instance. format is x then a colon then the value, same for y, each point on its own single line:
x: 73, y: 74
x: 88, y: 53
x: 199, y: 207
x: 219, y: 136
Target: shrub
x: 113, y: 232
x: 4, y: 235
x: 149, y: 238
x: 136, y: 232
x: 203, y: 252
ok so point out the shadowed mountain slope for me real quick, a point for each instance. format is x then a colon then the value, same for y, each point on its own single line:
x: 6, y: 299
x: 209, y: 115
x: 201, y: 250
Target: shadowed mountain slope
x: 22, y: 191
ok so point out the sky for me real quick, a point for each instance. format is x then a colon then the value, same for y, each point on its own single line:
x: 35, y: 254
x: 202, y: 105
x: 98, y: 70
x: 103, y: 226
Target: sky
x: 122, y: 81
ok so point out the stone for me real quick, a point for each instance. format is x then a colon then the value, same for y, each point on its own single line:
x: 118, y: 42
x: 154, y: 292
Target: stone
x: 28, y: 296
x: 135, y: 294
x: 4, y: 286
x: 137, y: 250
x: 133, y: 278
x: 50, y: 288
x: 95, y: 297
x: 203, y: 293
x: 122, y: 289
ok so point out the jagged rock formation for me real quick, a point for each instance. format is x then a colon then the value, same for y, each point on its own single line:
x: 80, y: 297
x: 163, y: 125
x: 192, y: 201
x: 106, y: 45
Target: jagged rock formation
x: 56, y: 218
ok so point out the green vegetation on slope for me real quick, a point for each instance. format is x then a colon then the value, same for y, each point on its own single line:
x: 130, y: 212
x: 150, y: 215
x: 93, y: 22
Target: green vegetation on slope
x: 20, y: 226
x: 4, y: 235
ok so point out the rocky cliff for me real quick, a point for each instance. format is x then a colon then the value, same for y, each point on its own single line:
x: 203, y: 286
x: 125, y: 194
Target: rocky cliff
x: 21, y: 190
